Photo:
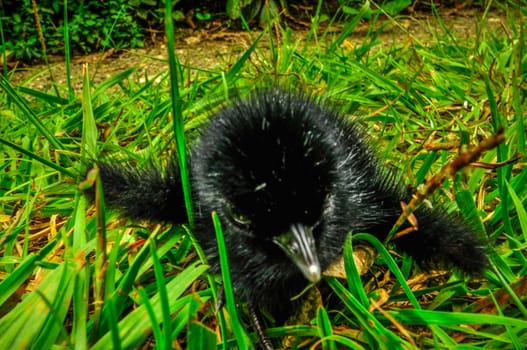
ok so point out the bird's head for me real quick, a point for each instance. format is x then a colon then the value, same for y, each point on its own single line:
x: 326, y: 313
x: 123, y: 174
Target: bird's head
x: 268, y: 168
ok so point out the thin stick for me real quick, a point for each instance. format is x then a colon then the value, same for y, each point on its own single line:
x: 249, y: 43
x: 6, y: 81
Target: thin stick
x: 449, y: 170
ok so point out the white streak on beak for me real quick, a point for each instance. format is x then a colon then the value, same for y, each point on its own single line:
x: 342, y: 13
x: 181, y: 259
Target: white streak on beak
x: 299, y: 245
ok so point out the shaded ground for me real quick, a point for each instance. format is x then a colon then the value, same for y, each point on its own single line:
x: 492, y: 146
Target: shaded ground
x: 218, y: 48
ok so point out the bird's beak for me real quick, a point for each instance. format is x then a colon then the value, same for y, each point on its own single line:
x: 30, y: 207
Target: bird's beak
x: 299, y: 244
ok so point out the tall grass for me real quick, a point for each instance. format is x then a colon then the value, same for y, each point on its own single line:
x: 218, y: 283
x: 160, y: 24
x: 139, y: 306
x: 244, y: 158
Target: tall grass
x: 74, y: 275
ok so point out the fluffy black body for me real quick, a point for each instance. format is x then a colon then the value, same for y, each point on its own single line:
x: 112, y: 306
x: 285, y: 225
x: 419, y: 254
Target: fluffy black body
x: 275, y: 159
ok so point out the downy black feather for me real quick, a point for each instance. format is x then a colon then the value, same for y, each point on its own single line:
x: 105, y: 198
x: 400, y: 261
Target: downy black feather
x: 278, y: 158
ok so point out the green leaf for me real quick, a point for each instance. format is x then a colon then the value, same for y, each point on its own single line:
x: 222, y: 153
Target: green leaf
x: 28, y: 113
x: 325, y: 329
x: 177, y: 114
x: 392, y: 265
x: 89, y: 126
x: 137, y: 325
x: 352, y: 274
x: 520, y: 210
x: 39, y: 317
x: 377, y: 335
x: 200, y: 337
x: 241, y: 337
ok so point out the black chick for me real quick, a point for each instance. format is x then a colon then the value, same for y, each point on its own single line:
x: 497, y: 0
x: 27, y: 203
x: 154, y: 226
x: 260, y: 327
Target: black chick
x: 289, y: 180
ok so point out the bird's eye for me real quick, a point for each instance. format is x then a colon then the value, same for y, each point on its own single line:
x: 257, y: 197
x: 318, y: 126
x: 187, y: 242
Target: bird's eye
x: 237, y: 217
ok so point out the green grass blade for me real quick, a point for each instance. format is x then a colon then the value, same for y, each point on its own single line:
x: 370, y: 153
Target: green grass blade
x: 392, y: 265
x: 510, y: 331
x: 378, y: 336
x: 188, y: 314
x: 156, y: 329
x: 352, y: 274
x: 116, y: 79
x: 136, y: 326
x: 38, y: 158
x: 469, y: 211
x: 67, y: 52
x: 213, y: 288
x: 33, y: 314
x: 348, y: 343
x: 89, y: 127
x: 42, y: 96
x: 29, y: 114
x: 177, y: 115
x: 239, y: 333
x: 503, y: 172
x: 4, y: 52
x: 427, y: 317
x: 506, y: 286
x: 16, y: 278
x: 110, y: 315
x: 325, y: 330
x: 58, y: 310
x: 365, y: 8
x: 236, y: 68
x: 520, y: 210
x: 82, y: 276
x: 101, y: 261
x: 165, y: 341
x: 200, y: 337
x: 142, y: 262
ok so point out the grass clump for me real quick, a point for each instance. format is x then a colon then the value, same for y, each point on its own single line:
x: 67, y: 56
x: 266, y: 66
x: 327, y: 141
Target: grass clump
x: 76, y: 276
